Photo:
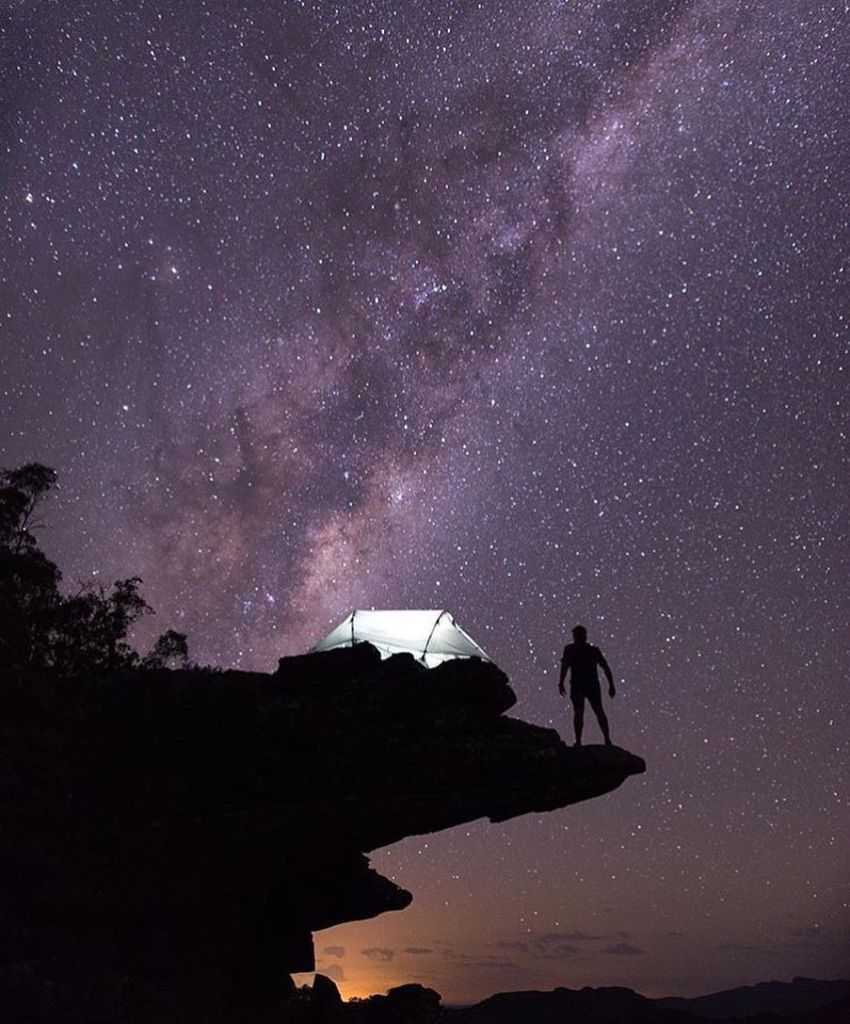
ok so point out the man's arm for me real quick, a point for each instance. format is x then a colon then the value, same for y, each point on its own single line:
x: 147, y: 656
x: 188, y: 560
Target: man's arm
x: 565, y: 664
x: 607, y: 670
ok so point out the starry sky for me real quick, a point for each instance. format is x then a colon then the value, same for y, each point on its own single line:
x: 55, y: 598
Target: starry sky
x: 536, y: 311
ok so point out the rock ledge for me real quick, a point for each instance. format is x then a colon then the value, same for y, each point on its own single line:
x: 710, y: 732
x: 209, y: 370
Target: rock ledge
x: 171, y: 840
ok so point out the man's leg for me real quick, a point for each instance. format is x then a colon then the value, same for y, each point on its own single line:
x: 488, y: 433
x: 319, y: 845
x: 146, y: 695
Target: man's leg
x: 578, y: 717
x: 601, y: 717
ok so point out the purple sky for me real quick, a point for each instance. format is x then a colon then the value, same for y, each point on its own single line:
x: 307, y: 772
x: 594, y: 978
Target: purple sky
x: 534, y: 311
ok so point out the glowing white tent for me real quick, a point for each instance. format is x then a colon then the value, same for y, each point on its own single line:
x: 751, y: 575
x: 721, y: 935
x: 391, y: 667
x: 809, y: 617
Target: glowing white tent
x: 431, y: 636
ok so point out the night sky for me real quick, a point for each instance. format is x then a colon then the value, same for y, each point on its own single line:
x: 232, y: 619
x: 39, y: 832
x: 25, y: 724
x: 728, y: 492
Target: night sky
x: 535, y: 311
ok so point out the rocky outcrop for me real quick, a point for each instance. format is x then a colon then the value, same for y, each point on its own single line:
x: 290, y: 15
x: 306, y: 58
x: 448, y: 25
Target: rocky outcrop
x: 170, y: 840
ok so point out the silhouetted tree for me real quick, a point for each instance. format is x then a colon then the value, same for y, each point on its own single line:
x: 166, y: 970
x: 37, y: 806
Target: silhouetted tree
x: 171, y: 648
x: 21, y: 491
x: 91, y: 628
x: 41, y: 628
x: 29, y: 581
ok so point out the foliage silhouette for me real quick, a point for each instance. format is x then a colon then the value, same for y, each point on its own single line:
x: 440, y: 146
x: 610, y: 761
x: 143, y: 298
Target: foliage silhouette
x: 40, y: 627
x: 171, y: 648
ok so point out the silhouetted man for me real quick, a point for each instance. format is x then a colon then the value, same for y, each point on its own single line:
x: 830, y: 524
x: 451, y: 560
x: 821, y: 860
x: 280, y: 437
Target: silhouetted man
x: 581, y: 659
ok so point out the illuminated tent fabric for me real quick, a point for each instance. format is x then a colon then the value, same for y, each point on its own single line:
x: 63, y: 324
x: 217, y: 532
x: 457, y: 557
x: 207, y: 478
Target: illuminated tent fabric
x: 431, y: 636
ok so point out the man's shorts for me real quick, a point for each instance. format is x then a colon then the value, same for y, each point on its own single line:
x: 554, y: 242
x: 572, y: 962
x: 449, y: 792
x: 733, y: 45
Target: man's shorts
x: 589, y: 690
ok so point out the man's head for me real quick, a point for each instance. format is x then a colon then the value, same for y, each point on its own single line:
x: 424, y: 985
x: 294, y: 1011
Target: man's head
x: 580, y: 634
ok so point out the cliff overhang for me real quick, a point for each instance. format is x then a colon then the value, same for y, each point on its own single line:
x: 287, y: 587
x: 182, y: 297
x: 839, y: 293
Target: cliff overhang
x: 188, y: 831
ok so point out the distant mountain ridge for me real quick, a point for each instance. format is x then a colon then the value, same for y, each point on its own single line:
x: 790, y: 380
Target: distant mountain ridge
x: 778, y: 997
x: 801, y: 1001
x: 562, y: 1005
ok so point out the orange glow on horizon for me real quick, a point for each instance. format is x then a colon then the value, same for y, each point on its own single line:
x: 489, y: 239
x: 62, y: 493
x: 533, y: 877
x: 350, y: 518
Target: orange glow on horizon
x: 350, y: 989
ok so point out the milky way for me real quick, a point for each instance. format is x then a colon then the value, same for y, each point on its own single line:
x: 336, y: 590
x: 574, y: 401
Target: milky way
x: 533, y: 311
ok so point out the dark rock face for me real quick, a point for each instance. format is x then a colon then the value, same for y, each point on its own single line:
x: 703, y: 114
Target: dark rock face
x: 170, y: 840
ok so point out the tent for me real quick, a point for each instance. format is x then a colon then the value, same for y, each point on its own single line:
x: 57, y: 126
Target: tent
x: 431, y: 636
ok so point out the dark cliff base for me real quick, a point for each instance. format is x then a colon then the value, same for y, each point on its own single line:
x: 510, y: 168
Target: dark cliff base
x: 171, y: 840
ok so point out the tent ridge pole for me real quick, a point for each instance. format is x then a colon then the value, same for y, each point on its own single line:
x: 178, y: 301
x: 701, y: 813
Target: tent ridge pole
x: 428, y: 641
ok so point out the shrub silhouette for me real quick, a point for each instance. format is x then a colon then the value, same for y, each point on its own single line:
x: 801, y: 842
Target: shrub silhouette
x: 40, y: 627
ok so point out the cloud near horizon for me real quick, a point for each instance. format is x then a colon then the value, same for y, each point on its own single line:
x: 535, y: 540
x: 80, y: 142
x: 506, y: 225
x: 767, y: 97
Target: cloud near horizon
x: 561, y: 945
x: 378, y: 954
x: 623, y: 949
